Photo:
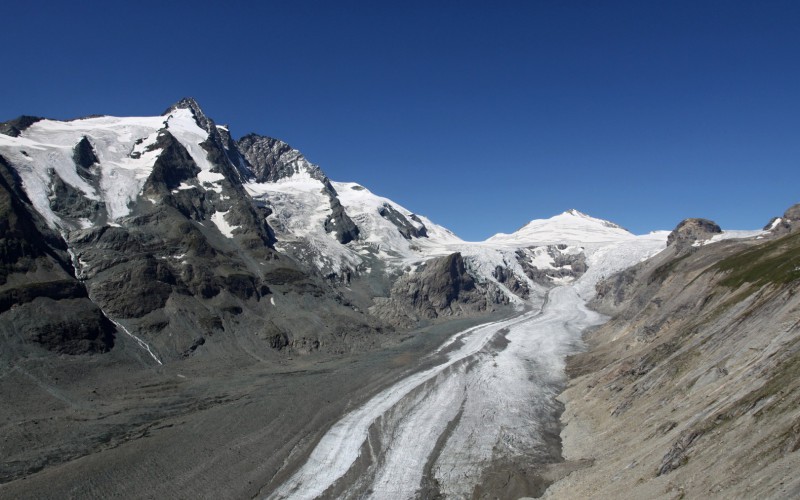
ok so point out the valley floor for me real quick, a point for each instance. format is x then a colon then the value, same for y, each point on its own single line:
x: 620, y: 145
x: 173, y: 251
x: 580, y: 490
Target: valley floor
x: 455, y: 410
x: 107, y: 427
x: 471, y: 420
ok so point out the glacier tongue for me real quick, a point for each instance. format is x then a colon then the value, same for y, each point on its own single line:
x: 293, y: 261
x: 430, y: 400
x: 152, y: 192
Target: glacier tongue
x: 491, y: 398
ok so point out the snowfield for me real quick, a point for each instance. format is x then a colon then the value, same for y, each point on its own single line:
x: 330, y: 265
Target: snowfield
x: 123, y: 147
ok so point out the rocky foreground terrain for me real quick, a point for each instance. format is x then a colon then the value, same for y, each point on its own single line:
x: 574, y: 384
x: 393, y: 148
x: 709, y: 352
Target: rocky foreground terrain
x: 692, y: 389
x: 188, y: 315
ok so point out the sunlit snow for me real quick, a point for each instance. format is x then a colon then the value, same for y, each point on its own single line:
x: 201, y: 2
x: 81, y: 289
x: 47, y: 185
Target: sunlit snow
x: 224, y: 227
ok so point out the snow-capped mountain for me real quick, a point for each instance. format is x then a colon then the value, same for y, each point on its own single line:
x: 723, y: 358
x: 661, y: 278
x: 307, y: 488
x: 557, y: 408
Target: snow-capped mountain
x: 177, y: 231
x: 570, y: 226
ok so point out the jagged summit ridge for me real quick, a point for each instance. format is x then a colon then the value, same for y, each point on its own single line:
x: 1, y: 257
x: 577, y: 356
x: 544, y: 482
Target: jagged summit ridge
x: 272, y: 159
x: 192, y: 105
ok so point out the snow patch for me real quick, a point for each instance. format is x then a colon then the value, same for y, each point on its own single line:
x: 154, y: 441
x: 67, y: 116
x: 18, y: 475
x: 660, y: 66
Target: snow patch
x: 224, y: 227
x: 732, y: 234
x: 301, y: 209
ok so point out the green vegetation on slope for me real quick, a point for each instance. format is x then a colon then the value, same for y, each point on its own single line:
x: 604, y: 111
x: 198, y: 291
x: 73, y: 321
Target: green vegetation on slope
x: 775, y: 262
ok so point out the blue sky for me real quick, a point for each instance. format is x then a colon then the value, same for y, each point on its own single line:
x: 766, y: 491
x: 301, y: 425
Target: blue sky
x: 481, y: 116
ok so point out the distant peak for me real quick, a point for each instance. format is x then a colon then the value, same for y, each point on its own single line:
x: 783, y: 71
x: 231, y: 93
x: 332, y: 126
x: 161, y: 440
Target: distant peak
x: 577, y: 213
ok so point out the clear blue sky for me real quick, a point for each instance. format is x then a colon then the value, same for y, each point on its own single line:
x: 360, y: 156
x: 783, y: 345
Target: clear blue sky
x: 479, y: 115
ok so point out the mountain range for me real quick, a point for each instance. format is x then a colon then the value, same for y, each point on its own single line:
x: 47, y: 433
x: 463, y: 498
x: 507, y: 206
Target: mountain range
x: 158, y: 275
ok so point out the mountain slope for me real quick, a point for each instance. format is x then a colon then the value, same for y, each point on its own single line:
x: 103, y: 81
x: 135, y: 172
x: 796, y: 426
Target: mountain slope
x: 40, y: 300
x: 166, y: 240
x: 692, y: 389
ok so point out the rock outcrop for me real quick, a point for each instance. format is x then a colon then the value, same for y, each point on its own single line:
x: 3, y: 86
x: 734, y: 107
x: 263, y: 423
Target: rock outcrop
x: 440, y: 287
x: 403, y: 225
x: 16, y: 126
x: 785, y: 224
x: 690, y: 231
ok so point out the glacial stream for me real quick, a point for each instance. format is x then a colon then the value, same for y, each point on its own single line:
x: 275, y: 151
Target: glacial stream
x: 490, y: 400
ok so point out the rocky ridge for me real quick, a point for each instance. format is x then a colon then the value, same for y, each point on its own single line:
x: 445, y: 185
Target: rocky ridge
x: 690, y: 390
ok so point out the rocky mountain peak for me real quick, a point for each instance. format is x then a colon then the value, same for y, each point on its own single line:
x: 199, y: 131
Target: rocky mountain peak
x: 200, y: 117
x: 272, y: 159
x: 186, y: 103
x: 792, y: 213
x: 689, y: 231
x: 790, y: 220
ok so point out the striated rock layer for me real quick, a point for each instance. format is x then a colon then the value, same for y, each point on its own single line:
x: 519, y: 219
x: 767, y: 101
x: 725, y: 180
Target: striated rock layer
x: 692, y: 390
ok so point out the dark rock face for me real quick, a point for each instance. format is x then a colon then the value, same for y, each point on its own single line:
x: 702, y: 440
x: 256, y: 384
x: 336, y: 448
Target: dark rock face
x: 272, y: 159
x: 18, y: 125
x: 40, y: 300
x: 439, y: 288
x: 172, y: 167
x: 70, y: 203
x: 406, y: 228
x: 134, y: 289
x: 689, y: 231
x: 67, y: 326
x: 192, y: 348
x: 83, y: 155
x: 21, y: 242
x: 55, y: 289
x: 564, y: 265
x: 507, y: 278
x: 340, y: 223
x: 233, y: 154
x: 422, y: 230
x: 444, y: 280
